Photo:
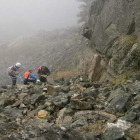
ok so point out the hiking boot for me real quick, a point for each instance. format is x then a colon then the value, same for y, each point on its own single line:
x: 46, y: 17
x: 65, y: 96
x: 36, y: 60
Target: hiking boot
x: 13, y: 86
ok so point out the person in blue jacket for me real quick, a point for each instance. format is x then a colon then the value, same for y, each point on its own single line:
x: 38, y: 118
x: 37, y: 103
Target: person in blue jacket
x: 29, y: 77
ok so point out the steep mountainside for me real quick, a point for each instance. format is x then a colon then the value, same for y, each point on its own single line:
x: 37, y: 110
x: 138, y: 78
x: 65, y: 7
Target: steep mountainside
x: 113, y: 30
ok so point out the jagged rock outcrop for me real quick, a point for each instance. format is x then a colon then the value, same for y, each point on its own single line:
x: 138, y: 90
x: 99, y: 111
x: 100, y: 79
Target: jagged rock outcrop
x: 113, y: 31
x: 110, y: 18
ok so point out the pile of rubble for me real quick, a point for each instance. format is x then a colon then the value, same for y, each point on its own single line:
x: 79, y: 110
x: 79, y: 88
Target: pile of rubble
x: 70, y: 109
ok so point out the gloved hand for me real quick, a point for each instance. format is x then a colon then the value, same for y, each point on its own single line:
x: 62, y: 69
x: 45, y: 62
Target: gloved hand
x: 44, y: 76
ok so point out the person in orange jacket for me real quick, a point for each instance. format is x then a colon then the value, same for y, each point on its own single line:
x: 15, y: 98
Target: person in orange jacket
x: 29, y: 77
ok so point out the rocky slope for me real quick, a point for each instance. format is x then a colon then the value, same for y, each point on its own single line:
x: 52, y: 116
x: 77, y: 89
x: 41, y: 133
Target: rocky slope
x: 71, y: 109
x: 113, y: 31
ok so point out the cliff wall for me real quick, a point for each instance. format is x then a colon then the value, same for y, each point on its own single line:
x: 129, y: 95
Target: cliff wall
x: 113, y: 30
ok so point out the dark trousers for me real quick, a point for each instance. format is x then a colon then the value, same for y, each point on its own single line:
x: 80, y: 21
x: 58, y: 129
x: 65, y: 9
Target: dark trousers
x: 14, y: 80
x: 42, y: 79
x: 27, y: 81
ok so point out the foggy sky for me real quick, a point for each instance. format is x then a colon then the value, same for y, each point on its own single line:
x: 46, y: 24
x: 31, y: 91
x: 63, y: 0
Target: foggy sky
x: 18, y: 17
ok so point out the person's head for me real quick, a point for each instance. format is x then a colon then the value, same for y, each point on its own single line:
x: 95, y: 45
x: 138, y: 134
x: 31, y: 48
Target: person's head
x: 30, y: 71
x: 17, y: 65
x: 43, y: 68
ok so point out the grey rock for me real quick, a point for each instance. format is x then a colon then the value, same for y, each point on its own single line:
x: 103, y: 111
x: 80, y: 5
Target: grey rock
x: 17, y: 103
x: 134, y: 87
x: 90, y: 92
x: 69, y: 112
x: 115, y: 93
x: 77, y: 104
x: 13, y: 113
x: 27, y: 100
x: 4, y: 87
x: 51, y: 90
x: 114, y: 134
x: 119, y: 103
x: 130, y: 117
x: 136, y: 108
x: 79, y: 123
x: 65, y: 89
x: 107, y: 21
x: 93, y: 136
x: 137, y: 97
x: 37, y: 98
x: 5, y: 128
x: 61, y: 103
x: 135, y: 76
x: 22, y: 96
x: 6, y: 102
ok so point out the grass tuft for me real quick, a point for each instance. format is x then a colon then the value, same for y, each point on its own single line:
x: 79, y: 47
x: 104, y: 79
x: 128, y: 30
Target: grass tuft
x: 65, y: 74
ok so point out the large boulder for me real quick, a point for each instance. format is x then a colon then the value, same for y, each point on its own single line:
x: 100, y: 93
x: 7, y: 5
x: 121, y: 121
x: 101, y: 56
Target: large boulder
x: 13, y: 113
x: 119, y: 103
x: 114, y: 133
x: 37, y: 98
x: 51, y: 90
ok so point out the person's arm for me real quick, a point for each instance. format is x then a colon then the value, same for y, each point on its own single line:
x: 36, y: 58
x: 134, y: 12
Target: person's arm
x: 10, y: 72
x: 33, y: 76
x: 16, y: 73
x: 39, y: 72
x: 47, y: 71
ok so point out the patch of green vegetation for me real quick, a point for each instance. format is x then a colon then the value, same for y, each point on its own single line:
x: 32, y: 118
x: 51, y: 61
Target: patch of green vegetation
x: 126, y: 40
x: 122, y: 79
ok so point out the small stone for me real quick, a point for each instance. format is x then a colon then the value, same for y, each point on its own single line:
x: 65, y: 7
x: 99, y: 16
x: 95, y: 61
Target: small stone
x: 42, y: 114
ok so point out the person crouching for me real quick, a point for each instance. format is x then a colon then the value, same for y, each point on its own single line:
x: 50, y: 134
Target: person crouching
x: 29, y: 77
x: 43, y: 73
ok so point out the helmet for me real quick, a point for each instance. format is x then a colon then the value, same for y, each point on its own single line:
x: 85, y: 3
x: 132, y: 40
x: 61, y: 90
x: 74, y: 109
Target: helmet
x: 18, y: 65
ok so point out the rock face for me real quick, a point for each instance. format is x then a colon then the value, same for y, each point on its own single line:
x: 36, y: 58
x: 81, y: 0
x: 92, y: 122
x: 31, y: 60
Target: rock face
x: 113, y: 31
x: 110, y: 18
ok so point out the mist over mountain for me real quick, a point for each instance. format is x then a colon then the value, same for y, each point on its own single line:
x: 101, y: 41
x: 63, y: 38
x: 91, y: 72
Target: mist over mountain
x: 25, y: 17
x: 59, y: 50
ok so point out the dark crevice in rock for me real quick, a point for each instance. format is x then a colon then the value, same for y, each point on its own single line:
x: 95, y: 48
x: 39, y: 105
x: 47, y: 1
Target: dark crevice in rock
x: 87, y: 33
x: 131, y: 27
x: 108, y: 25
